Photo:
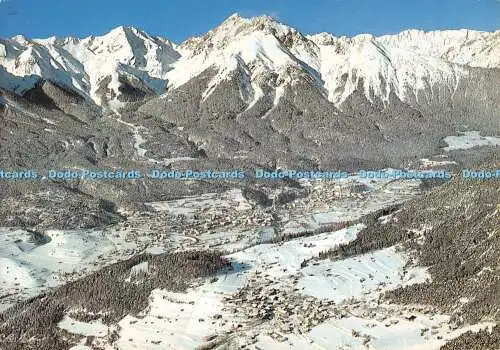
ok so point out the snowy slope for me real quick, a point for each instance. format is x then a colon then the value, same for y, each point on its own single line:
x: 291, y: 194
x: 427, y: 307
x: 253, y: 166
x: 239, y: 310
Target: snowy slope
x: 250, y: 46
x: 468, y: 47
x: 383, y: 69
x: 82, y: 64
x: 406, y: 64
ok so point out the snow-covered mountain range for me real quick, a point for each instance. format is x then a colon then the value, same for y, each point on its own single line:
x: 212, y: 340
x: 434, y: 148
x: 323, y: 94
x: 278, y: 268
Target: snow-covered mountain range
x: 85, y: 65
x: 410, y: 64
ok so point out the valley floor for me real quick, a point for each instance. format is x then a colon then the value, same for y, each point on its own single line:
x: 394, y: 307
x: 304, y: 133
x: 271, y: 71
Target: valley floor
x: 276, y: 294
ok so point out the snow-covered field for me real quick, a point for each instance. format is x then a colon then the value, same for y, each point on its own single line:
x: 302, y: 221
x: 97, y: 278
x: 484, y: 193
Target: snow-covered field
x: 93, y: 328
x: 357, y: 277
x: 365, y: 333
x: 470, y: 139
x: 210, y: 202
x: 28, y: 268
x: 425, y: 162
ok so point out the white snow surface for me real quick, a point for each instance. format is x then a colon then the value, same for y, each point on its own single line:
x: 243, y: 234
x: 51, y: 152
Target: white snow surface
x: 27, y: 269
x: 358, y: 276
x: 426, y: 163
x: 215, y: 202
x: 470, y: 139
x: 92, y: 328
x: 404, y: 335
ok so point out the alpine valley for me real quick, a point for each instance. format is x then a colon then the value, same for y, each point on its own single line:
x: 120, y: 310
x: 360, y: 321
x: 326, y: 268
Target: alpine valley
x: 137, y: 262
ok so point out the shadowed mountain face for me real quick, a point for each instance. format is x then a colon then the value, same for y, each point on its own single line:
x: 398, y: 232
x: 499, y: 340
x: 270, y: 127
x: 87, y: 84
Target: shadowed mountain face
x: 249, y: 93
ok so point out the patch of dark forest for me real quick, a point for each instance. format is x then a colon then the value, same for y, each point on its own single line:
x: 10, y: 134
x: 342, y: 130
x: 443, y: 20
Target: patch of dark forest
x: 110, y: 293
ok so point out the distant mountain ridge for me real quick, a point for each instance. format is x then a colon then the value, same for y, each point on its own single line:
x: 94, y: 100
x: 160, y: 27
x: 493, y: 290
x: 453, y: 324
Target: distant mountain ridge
x: 101, y: 68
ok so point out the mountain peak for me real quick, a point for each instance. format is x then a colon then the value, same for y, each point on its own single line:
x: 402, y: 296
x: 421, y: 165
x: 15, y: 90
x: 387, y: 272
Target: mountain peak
x: 236, y: 27
x: 233, y: 17
x: 237, y: 17
x: 124, y: 29
x: 21, y: 39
